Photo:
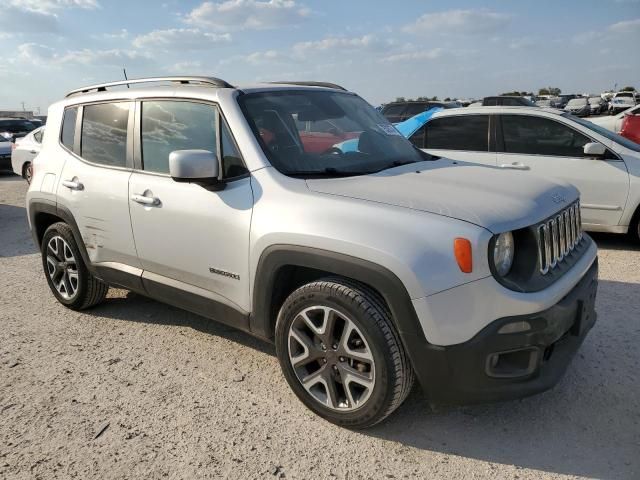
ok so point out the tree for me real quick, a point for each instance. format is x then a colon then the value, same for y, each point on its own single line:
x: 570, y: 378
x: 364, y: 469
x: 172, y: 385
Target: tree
x: 400, y: 99
x: 434, y: 98
x: 447, y: 99
x: 628, y: 89
x: 554, y: 91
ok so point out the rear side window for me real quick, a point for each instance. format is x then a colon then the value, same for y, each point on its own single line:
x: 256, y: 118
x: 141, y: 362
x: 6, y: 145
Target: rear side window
x: 38, y: 136
x: 541, y: 136
x: 104, y: 133
x: 172, y: 125
x: 460, y: 132
x: 68, y: 135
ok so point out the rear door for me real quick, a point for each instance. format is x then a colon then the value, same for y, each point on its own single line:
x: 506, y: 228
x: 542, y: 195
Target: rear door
x: 94, y: 184
x: 459, y: 137
x: 551, y: 149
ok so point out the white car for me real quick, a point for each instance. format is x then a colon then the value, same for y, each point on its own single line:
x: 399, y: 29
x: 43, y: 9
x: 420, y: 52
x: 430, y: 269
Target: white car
x: 366, y: 268
x: 24, y: 151
x: 551, y: 144
x: 614, y: 122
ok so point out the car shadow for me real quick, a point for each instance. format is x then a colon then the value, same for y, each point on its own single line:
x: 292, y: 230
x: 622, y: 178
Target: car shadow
x: 614, y: 241
x: 15, y: 239
x: 133, y: 307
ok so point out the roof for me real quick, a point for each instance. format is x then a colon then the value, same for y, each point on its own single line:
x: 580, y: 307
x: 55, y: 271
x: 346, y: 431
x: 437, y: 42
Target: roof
x: 498, y: 109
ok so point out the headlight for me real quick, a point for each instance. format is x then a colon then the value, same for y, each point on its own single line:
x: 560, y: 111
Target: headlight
x: 503, y: 253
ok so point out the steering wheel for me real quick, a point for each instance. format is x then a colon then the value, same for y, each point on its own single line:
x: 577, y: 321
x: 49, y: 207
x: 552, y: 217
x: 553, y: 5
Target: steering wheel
x: 333, y: 151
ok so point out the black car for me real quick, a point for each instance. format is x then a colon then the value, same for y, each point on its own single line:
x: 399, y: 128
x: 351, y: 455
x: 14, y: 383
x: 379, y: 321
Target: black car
x: 12, y: 128
x: 400, y: 111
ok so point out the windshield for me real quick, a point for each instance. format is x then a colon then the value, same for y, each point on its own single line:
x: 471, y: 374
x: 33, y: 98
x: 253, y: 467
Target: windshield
x: 577, y: 102
x: 16, y: 126
x: 619, y: 139
x: 310, y: 133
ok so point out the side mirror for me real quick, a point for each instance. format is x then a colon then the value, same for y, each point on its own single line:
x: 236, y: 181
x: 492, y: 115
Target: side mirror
x: 594, y: 150
x: 194, y: 166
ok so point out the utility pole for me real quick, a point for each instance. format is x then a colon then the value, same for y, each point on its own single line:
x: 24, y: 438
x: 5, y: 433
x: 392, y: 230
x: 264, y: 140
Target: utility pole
x: 23, y: 106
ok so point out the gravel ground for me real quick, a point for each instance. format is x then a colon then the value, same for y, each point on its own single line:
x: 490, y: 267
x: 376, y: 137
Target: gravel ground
x: 137, y: 389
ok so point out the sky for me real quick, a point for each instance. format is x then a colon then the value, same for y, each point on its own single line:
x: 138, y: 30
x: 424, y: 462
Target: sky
x: 381, y: 50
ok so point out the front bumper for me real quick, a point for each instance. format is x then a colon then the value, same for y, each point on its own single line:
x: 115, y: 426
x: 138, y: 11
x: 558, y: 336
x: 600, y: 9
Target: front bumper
x: 496, y: 366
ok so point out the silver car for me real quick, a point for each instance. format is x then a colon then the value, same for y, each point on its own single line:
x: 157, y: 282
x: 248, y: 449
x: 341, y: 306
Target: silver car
x: 366, y: 261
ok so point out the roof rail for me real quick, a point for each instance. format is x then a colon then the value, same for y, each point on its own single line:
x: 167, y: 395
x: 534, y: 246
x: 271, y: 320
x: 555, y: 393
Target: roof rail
x: 102, y: 87
x: 313, y: 84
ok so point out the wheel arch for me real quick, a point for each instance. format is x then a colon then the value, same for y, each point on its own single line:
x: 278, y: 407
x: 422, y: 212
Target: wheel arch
x: 43, y: 214
x: 283, y: 268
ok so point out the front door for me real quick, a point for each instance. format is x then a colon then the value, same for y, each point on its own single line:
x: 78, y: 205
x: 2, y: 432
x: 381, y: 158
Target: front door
x: 554, y: 150
x: 191, y: 237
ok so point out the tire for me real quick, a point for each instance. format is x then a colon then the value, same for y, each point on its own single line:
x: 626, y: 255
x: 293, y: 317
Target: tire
x: 27, y: 172
x: 361, y: 356
x: 67, y: 275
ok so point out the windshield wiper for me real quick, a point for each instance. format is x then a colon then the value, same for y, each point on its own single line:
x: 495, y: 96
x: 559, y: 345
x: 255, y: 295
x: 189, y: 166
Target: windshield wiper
x: 327, y: 172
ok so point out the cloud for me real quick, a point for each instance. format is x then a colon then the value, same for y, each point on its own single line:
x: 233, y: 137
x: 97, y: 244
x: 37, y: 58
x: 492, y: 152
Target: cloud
x: 114, y: 57
x: 184, y: 68
x: 19, y: 20
x: 37, y: 16
x: 459, y: 22
x: 247, y: 14
x: 414, y: 56
x: 626, y: 26
x: 48, y: 6
x: 35, y: 53
x: 121, y: 35
x: 180, y: 39
x: 342, y: 44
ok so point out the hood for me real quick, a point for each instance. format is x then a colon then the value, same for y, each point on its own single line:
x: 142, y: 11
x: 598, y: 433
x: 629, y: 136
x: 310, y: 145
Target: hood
x: 493, y: 198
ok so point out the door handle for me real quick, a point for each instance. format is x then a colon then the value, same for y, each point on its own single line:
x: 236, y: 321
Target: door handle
x: 141, y: 199
x: 33, y: 152
x: 73, y: 184
x: 515, y: 166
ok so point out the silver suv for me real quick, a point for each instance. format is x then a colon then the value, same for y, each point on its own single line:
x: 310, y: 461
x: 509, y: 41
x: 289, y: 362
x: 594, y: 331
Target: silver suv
x: 296, y: 212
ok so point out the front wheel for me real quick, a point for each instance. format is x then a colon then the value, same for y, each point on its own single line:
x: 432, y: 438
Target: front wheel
x: 341, y: 354
x: 67, y: 275
x: 634, y: 228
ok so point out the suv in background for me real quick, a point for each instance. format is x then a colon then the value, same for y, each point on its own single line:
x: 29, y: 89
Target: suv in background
x: 400, y: 111
x: 480, y: 284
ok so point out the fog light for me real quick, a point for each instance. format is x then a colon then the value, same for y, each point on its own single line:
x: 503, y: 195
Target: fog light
x: 515, y: 327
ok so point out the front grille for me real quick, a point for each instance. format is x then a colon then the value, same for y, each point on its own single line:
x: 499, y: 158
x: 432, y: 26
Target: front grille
x: 558, y: 237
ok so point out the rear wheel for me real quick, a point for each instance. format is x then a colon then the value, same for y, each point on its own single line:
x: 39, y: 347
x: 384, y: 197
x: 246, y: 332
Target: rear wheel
x: 340, y: 353
x: 67, y: 275
x: 27, y: 172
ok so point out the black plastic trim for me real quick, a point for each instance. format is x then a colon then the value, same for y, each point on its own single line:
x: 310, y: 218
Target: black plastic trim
x: 385, y: 282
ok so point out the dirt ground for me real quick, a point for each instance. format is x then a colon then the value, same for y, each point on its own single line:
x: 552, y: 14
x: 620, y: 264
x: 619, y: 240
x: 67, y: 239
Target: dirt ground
x: 136, y: 389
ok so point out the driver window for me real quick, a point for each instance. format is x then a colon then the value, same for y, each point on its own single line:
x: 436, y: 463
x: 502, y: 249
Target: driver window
x: 541, y: 136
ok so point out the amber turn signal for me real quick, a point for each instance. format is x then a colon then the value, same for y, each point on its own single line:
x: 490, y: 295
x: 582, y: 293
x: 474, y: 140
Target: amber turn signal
x: 464, y: 257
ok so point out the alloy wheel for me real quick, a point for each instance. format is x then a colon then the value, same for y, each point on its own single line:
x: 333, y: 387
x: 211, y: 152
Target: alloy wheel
x: 331, y: 358
x: 62, y: 267
x: 28, y: 173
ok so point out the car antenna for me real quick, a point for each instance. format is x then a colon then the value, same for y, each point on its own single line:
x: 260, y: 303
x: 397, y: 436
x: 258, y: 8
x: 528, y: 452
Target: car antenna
x: 124, y: 70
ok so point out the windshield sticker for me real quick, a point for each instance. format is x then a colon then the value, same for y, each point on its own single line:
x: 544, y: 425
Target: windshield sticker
x: 389, y: 129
